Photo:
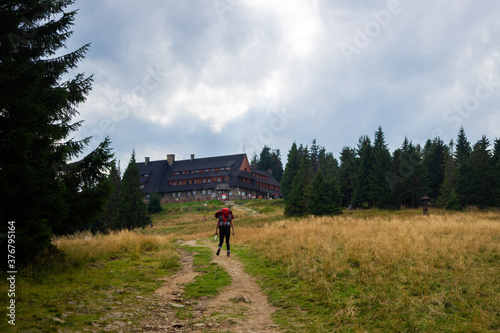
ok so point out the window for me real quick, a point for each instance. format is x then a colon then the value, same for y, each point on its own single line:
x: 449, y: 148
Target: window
x: 218, y: 180
x: 209, y: 180
x: 173, y: 195
x: 204, y: 181
x: 203, y: 192
x: 196, y: 171
x: 228, y: 168
x: 142, y: 185
x: 178, y: 194
x: 147, y: 196
x: 194, y: 181
x: 178, y: 183
x: 209, y: 191
x: 206, y: 170
x: 194, y: 193
x: 188, y: 193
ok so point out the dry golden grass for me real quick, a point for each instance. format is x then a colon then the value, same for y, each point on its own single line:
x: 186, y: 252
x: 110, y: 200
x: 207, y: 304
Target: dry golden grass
x: 407, y: 264
x: 84, y: 247
x: 335, y: 242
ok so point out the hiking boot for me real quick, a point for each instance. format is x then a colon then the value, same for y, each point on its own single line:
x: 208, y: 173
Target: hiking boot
x: 228, y: 253
x: 218, y: 252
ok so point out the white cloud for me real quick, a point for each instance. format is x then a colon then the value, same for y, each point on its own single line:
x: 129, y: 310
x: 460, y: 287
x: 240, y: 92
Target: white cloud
x: 182, y: 72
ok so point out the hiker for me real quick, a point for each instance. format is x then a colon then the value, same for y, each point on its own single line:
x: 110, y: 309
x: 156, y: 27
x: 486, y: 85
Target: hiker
x: 224, y: 224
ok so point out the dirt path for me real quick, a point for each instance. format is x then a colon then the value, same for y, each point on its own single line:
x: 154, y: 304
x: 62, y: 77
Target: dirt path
x: 240, y: 307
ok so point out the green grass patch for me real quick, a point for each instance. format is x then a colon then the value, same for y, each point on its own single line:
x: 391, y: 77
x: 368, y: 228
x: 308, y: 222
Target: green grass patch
x: 78, y: 297
x: 212, y: 279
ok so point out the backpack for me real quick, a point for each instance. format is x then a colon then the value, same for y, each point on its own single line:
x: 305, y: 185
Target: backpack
x: 225, y: 217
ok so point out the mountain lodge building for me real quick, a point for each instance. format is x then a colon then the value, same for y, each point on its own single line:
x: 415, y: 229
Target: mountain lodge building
x: 220, y: 177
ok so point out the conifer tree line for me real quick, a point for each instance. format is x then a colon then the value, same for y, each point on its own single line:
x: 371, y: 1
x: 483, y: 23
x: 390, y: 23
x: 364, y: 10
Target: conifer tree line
x: 454, y: 175
x: 48, y: 188
x: 310, y: 182
x: 269, y: 160
x: 125, y: 208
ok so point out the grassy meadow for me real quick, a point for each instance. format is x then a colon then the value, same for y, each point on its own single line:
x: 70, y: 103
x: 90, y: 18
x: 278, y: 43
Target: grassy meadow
x: 372, y: 270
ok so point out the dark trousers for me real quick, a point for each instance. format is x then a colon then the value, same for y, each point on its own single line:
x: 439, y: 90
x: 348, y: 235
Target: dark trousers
x: 224, y: 232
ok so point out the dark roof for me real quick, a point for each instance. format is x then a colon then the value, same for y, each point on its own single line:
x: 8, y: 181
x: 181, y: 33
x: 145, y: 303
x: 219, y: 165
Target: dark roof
x: 160, y: 173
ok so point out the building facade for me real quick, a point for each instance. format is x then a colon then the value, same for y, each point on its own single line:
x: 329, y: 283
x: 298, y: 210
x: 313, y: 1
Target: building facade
x: 199, y: 179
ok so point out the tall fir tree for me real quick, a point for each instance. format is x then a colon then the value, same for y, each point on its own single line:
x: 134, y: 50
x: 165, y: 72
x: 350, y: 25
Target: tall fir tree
x: 380, y: 192
x: 42, y: 191
x: 269, y: 160
x: 324, y: 196
x: 449, y: 182
x: 254, y: 160
x: 346, y: 174
x: 461, y: 157
x: 496, y: 171
x: 328, y: 164
x: 131, y: 208
x: 264, y: 162
x: 478, y: 189
x: 296, y: 203
x: 406, y: 177
x: 276, y: 165
x: 364, y: 165
x: 291, y: 170
x: 434, y: 156
x: 462, y: 148
x: 107, y: 218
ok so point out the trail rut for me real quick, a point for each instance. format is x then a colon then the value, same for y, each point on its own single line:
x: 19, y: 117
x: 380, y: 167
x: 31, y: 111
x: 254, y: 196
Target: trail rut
x: 240, y: 307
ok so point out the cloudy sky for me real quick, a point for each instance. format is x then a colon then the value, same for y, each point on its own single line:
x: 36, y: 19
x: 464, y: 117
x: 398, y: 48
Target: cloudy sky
x: 220, y: 77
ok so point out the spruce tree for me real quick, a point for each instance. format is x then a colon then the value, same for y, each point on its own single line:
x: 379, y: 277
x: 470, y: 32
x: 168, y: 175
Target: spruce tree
x: 435, y: 152
x: 364, y: 165
x: 453, y: 203
x: 380, y: 192
x: 42, y: 191
x: 291, y: 170
x: 107, y: 219
x: 154, y: 205
x: 461, y: 159
x: 276, y: 165
x: 449, y: 181
x: 496, y: 172
x: 324, y: 196
x: 346, y: 174
x: 462, y: 149
x: 296, y: 203
x: 480, y: 190
x: 131, y: 208
x: 264, y: 162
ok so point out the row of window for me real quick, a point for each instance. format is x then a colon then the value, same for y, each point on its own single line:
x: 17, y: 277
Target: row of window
x: 256, y: 175
x: 191, y: 193
x: 200, y: 170
x: 197, y: 181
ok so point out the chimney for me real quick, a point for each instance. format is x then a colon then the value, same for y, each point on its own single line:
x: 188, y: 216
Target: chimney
x: 192, y: 157
x: 146, y: 160
x: 171, y: 159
